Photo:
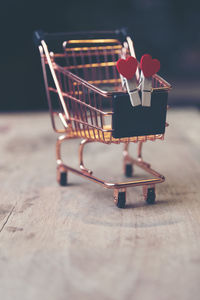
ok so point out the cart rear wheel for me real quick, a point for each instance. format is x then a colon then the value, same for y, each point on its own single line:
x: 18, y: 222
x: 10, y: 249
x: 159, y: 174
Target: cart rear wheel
x: 120, y: 199
x: 62, y: 178
x: 151, y: 196
x: 129, y: 170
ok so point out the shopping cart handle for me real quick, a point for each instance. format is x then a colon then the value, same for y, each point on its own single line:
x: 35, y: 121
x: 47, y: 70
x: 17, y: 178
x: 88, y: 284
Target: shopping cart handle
x: 40, y: 35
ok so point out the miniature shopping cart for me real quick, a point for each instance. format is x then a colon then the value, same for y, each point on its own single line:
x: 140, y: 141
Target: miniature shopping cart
x: 85, y: 93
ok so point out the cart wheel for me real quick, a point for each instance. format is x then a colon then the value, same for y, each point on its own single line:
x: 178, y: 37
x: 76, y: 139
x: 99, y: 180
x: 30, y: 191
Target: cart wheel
x: 128, y: 170
x: 120, y: 199
x: 151, y: 196
x: 62, y: 178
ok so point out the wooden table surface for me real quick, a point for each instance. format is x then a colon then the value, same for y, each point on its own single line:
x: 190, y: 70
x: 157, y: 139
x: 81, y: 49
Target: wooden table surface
x: 73, y: 243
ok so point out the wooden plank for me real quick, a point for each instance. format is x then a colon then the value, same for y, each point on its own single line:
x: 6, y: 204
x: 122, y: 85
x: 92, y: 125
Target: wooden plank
x: 73, y: 243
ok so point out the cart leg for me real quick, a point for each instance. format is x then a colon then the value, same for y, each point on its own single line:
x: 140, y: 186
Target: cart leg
x: 140, y: 159
x: 81, y: 147
x: 61, y: 170
x: 62, y: 175
x: 149, y: 194
x: 120, y: 197
x: 128, y: 165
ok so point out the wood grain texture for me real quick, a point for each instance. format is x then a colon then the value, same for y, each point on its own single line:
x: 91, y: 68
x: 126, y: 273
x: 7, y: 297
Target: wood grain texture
x: 73, y: 243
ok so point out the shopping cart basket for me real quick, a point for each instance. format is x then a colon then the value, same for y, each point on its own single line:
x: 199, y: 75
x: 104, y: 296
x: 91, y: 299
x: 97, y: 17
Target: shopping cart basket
x: 85, y: 93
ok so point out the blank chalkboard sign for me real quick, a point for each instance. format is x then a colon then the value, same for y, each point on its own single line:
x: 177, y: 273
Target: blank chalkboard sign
x: 128, y: 121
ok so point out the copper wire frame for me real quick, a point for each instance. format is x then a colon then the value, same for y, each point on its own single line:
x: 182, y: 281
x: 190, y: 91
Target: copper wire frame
x: 81, y: 81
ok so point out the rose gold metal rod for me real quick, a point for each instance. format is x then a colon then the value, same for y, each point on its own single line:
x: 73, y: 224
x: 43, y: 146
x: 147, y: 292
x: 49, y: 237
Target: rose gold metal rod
x: 114, y: 185
x: 167, y: 84
x: 46, y: 51
x: 140, y: 151
x: 109, y: 113
x: 81, y: 147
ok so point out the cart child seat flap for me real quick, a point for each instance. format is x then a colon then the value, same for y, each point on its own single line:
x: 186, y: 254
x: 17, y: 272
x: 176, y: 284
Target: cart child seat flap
x: 128, y: 121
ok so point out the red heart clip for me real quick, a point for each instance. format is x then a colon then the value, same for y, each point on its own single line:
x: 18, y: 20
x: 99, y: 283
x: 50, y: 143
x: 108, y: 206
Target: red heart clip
x: 127, y: 67
x: 149, y: 66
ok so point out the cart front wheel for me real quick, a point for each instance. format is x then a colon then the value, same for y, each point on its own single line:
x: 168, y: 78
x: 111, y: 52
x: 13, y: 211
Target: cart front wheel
x: 62, y: 178
x: 151, y: 196
x: 120, y: 199
x: 129, y: 170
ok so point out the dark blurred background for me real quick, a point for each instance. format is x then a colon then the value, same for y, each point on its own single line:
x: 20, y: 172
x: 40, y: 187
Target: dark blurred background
x: 169, y: 30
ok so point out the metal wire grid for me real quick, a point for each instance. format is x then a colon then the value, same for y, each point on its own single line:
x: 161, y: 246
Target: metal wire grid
x: 90, y: 106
